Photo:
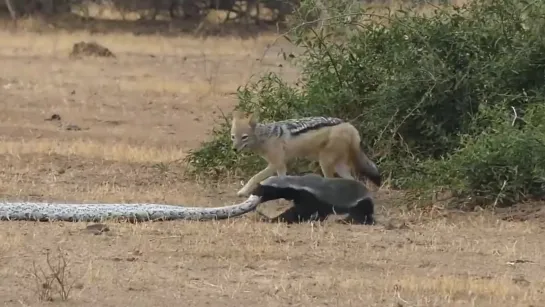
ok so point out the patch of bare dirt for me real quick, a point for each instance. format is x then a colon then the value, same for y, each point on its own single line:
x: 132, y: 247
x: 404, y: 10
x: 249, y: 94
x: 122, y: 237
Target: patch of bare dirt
x: 529, y: 211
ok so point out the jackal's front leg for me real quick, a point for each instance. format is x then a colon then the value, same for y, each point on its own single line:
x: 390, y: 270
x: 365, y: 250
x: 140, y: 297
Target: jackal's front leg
x: 257, y: 178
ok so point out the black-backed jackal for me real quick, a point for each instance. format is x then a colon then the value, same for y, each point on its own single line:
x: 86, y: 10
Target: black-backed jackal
x: 334, y: 143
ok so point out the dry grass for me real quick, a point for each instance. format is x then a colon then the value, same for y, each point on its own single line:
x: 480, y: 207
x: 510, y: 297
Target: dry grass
x: 139, y: 114
x: 237, y: 262
x: 88, y: 149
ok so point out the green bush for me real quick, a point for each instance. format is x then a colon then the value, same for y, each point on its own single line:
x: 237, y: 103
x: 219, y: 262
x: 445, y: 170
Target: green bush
x: 426, y: 93
x: 502, y: 165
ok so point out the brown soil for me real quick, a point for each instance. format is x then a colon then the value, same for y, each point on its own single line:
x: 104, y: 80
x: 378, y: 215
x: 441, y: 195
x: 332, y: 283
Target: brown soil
x: 122, y: 126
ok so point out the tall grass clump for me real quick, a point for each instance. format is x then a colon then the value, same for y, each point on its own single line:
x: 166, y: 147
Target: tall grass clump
x: 449, y: 100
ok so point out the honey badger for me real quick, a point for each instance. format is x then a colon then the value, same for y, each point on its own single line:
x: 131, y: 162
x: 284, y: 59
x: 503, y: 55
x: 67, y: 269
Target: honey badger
x: 315, y: 197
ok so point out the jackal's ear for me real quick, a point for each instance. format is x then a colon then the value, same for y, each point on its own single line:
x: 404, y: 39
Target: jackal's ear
x: 252, y: 120
x: 237, y: 114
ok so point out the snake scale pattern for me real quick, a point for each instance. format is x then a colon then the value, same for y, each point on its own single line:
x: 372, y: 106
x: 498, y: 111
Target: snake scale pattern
x: 29, y: 211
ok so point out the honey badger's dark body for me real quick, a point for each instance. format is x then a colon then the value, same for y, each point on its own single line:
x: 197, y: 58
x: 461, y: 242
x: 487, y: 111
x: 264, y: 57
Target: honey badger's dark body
x: 315, y: 197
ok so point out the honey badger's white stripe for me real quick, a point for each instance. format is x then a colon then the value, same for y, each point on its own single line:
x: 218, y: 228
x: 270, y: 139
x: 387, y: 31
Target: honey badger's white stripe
x: 28, y: 211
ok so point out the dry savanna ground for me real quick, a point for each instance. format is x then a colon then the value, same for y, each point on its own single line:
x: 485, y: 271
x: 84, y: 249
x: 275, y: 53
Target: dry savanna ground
x: 126, y: 122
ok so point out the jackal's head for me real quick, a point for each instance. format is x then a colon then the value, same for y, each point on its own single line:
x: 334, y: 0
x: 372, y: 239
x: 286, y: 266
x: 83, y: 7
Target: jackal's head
x: 243, y: 131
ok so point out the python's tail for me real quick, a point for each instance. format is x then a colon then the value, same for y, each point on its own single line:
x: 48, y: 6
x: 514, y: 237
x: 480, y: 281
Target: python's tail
x: 27, y: 211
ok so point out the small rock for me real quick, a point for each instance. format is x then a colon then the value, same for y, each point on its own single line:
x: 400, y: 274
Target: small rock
x: 54, y: 117
x: 90, y: 49
x: 520, y: 280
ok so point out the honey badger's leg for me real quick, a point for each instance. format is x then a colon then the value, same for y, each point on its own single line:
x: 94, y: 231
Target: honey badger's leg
x: 295, y: 215
x: 305, y: 208
x: 363, y: 212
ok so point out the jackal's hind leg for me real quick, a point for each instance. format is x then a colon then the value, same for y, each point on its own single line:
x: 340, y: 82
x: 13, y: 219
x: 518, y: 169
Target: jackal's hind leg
x: 327, y: 166
x: 344, y: 171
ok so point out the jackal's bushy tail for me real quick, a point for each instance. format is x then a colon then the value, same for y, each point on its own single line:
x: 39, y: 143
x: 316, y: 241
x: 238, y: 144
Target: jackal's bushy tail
x: 364, y: 165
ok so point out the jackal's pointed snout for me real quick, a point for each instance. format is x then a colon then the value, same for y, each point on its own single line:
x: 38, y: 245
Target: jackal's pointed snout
x: 238, y: 147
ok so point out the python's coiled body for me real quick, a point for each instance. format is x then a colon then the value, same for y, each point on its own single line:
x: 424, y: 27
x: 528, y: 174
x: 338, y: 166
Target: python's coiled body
x: 28, y: 211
